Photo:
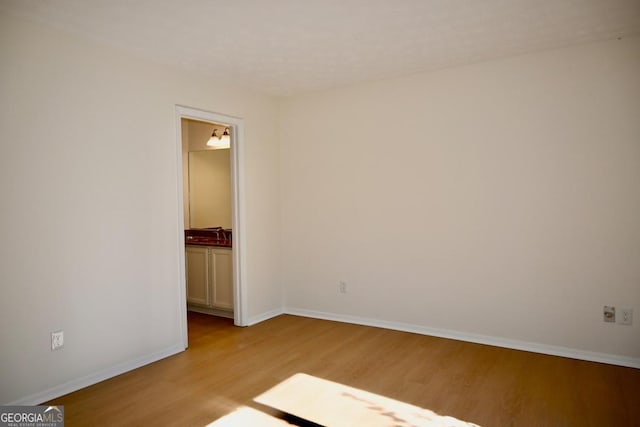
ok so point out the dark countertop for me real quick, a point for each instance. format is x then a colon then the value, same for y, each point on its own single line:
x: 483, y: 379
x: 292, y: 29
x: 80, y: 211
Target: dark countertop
x: 215, y: 236
x: 207, y: 241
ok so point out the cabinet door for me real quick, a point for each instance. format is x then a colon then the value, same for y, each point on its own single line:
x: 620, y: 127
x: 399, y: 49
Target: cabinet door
x: 197, y: 276
x: 221, y: 270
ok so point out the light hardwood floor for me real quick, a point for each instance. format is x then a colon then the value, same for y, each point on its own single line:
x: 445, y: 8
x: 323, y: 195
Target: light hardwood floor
x: 226, y: 367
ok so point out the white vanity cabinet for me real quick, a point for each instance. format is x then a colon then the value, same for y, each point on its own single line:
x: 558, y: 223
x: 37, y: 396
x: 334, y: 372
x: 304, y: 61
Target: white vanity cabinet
x: 221, y: 278
x: 198, y: 275
x: 209, y: 278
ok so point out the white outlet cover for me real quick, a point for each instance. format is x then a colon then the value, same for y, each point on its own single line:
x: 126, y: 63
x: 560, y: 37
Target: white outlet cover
x: 342, y: 287
x: 57, y: 340
x: 625, y: 316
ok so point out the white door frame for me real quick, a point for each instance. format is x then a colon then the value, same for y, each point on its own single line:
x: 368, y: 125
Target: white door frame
x: 237, y: 212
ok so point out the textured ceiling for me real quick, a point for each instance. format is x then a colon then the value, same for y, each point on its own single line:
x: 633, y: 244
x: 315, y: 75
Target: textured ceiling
x: 285, y: 47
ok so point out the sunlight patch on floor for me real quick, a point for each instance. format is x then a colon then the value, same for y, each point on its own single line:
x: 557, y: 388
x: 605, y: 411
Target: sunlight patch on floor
x: 331, y: 404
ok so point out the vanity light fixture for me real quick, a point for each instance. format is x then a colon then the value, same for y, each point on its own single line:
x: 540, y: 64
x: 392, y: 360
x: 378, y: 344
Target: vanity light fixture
x: 218, y: 142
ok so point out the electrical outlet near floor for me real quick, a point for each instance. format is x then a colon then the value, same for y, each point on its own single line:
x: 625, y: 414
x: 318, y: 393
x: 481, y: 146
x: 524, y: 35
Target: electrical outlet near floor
x: 609, y: 314
x: 342, y: 287
x: 626, y: 316
x: 57, y: 340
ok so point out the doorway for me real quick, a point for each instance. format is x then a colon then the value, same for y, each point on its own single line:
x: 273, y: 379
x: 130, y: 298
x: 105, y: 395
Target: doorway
x: 236, y: 128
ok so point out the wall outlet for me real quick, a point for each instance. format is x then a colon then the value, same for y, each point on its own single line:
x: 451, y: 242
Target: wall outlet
x: 342, y: 287
x: 609, y: 314
x: 626, y: 316
x: 57, y: 340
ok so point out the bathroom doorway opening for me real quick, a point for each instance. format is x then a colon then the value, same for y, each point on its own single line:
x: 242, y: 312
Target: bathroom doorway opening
x: 236, y: 130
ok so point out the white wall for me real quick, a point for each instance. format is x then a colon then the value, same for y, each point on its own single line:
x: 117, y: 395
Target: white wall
x: 500, y: 199
x: 186, y: 211
x: 90, y: 211
x: 210, y: 189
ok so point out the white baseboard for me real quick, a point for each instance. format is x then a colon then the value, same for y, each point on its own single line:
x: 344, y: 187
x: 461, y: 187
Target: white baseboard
x: 264, y: 316
x: 572, y: 353
x: 82, y: 382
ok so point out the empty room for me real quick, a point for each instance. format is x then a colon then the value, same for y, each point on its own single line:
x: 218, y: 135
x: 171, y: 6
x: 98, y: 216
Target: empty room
x: 334, y: 213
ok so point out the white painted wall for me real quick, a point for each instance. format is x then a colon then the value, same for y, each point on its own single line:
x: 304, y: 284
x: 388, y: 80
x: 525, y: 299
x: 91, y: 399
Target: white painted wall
x: 90, y: 212
x: 186, y: 212
x: 500, y: 199
x: 210, y: 189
